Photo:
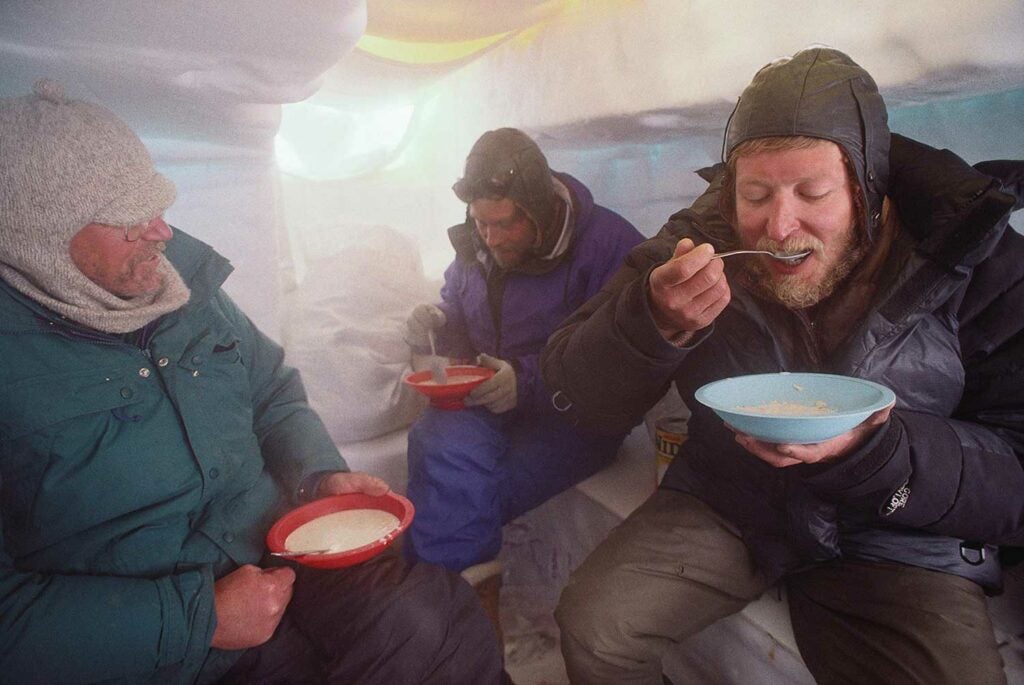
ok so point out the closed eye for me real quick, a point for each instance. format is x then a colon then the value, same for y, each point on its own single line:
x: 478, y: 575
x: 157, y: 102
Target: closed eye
x: 814, y: 196
x: 815, y: 191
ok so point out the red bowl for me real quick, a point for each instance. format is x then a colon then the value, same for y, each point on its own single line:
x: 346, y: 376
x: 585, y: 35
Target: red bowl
x: 390, y: 502
x: 461, y: 379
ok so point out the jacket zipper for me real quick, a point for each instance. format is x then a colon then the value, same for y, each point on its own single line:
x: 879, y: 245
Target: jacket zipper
x: 808, y: 339
x: 495, y: 281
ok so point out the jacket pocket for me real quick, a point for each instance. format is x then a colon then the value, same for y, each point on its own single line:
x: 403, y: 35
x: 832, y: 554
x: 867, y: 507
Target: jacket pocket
x: 214, y: 395
x: 33, y: 404
x: 38, y: 413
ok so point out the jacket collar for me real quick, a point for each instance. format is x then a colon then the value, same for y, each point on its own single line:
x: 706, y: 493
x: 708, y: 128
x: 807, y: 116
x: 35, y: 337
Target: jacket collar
x: 203, y: 269
x: 955, y: 213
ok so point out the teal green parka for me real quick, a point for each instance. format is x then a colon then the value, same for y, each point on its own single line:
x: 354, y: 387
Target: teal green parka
x: 134, y: 474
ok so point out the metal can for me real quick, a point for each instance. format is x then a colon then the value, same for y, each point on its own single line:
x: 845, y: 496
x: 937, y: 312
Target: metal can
x: 669, y: 436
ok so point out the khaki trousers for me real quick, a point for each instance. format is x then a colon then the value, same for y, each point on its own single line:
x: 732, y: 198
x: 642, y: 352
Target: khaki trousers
x: 674, y: 567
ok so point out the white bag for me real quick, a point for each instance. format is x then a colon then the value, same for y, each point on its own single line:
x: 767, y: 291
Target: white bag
x: 345, y: 332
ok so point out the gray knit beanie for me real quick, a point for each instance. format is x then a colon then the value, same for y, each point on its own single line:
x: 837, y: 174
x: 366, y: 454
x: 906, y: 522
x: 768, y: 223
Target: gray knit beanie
x: 65, y: 164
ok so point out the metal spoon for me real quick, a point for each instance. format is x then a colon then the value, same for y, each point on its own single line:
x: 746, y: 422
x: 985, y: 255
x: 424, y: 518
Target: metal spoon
x: 784, y: 256
x: 437, y: 372
x: 289, y: 553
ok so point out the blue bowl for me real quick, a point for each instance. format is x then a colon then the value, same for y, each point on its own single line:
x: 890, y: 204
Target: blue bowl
x: 740, y: 402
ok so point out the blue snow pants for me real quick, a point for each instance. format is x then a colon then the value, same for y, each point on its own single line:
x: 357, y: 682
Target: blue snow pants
x: 471, y: 471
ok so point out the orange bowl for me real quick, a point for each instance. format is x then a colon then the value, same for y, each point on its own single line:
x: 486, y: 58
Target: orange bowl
x: 400, y: 507
x: 461, y: 379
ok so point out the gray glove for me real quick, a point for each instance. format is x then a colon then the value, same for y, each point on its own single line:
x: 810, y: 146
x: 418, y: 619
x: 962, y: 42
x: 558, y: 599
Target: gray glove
x: 423, y: 319
x: 497, y: 393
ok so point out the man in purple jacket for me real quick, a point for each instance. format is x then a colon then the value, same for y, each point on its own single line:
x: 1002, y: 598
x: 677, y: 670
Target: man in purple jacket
x: 533, y: 248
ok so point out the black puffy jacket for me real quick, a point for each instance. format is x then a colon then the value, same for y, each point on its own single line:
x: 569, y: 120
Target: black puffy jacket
x: 946, y: 333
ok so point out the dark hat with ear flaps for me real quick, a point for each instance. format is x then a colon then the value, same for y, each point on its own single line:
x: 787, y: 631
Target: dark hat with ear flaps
x: 506, y: 162
x: 821, y: 93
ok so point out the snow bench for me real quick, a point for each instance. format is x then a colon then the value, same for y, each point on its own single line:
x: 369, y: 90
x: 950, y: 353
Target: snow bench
x: 542, y: 547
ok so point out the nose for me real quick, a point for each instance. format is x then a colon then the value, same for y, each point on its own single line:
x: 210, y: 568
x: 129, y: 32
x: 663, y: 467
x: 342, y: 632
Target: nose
x: 491, y: 237
x: 782, y: 218
x: 157, y: 230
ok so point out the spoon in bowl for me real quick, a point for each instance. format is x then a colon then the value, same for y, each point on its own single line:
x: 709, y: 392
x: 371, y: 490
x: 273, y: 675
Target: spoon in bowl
x: 302, y: 553
x: 437, y: 372
x: 783, y: 256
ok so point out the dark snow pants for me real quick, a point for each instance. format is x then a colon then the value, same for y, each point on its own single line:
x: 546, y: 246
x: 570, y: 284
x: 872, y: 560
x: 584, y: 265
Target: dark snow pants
x: 382, y: 622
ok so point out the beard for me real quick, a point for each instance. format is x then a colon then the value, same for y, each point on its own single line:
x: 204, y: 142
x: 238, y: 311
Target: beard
x: 142, y: 276
x: 796, y: 292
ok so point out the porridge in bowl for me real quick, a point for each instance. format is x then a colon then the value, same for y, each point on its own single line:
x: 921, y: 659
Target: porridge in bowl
x: 342, y: 530
x: 778, y: 408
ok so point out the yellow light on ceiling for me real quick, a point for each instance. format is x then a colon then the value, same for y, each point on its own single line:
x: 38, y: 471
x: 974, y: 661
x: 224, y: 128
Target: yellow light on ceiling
x: 416, y: 52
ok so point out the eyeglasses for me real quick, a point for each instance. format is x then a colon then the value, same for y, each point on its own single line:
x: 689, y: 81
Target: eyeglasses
x: 133, y: 233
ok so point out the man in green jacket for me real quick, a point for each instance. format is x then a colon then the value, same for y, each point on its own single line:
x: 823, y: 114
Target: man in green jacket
x: 150, y: 435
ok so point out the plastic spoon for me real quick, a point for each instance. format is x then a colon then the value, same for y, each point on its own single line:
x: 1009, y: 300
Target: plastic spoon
x: 437, y: 372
